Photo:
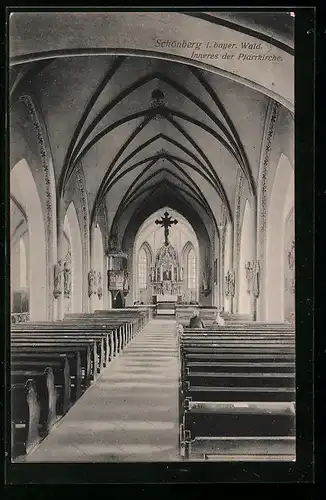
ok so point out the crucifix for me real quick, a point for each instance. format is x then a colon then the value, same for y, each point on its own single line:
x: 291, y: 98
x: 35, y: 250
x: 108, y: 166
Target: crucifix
x: 166, y: 222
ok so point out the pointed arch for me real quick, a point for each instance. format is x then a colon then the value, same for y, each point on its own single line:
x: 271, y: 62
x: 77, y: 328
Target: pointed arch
x: 280, y: 202
x: 23, y: 189
x: 71, y: 226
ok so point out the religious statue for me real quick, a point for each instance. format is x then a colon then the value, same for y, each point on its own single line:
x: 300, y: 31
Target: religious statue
x: 126, y: 283
x: 67, y: 276
x: 249, y: 274
x: 99, y: 285
x: 291, y: 259
x: 255, y: 278
x: 58, y: 274
x: 166, y: 222
x: 231, y: 277
x: 92, y: 283
x: 113, y: 241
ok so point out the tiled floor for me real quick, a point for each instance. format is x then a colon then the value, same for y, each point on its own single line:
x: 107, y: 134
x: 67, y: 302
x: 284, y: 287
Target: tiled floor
x: 130, y: 413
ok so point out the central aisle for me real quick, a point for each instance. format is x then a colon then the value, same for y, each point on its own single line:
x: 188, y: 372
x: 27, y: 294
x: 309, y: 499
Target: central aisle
x: 130, y: 413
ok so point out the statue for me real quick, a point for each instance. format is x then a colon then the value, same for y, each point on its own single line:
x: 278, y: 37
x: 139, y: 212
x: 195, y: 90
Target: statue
x: 91, y: 283
x: 113, y: 241
x: 232, y: 283
x: 57, y: 284
x: 256, y: 276
x: 291, y: 259
x: 99, y: 285
x: 67, y: 275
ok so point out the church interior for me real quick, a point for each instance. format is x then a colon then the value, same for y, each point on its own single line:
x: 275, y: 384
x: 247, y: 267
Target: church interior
x: 146, y: 185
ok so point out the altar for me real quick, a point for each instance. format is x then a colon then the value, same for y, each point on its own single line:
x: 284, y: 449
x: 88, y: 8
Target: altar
x: 166, y: 298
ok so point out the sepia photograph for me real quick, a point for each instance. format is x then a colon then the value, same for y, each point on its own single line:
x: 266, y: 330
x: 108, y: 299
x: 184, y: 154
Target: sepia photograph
x: 152, y: 236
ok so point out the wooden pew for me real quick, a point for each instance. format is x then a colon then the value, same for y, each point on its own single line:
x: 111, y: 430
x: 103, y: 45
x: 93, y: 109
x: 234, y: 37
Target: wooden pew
x: 225, y: 419
x: 61, y: 372
x: 63, y: 347
x: 56, y: 338
x: 240, y: 448
x: 25, y: 417
x: 46, y: 393
x: 230, y: 376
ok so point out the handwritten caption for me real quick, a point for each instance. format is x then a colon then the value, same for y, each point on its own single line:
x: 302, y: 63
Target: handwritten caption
x: 246, y: 51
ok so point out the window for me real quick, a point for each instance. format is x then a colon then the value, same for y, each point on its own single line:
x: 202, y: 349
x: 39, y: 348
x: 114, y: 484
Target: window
x: 142, y: 269
x: 191, y: 269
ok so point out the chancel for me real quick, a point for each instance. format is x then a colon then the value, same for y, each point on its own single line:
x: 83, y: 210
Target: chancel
x: 146, y: 187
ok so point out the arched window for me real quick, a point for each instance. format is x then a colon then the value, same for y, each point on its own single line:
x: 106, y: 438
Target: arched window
x: 142, y: 269
x: 191, y: 269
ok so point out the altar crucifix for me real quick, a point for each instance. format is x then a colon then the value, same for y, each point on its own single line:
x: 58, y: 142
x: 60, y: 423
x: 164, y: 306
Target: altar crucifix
x: 166, y: 222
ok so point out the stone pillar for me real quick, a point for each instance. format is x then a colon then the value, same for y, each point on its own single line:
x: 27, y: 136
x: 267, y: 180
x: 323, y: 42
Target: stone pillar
x: 60, y: 298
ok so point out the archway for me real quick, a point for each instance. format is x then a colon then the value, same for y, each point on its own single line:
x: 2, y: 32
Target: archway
x: 19, y: 263
x: 246, y: 256
x: 281, y: 201
x: 74, y: 268
x: 24, y: 191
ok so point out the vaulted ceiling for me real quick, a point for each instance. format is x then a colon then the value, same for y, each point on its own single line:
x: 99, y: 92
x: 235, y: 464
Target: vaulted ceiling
x: 147, y: 132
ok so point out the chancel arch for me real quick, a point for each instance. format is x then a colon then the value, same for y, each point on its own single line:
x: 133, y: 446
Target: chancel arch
x: 24, y: 190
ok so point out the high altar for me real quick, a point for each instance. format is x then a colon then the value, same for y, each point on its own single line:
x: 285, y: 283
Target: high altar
x: 166, y: 274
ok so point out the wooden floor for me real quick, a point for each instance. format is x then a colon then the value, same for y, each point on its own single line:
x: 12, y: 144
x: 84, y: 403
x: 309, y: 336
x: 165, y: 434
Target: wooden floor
x: 130, y: 413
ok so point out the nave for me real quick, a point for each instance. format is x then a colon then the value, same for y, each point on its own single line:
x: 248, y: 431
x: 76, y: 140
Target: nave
x: 140, y: 189
x: 131, y: 411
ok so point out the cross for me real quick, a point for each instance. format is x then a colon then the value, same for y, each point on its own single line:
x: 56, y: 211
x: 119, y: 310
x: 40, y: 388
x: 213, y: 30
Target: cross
x: 166, y: 222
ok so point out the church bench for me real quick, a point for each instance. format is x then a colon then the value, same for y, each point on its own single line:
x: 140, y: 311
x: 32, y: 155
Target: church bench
x: 119, y: 334
x: 25, y: 417
x: 110, y: 334
x: 239, y: 419
x: 199, y: 349
x: 97, y: 343
x: 243, y: 328
x: 241, y: 448
x: 238, y: 394
x: 248, y: 367
x: 196, y: 355
x: 240, y: 379
x: 66, y: 349
x: 61, y: 373
x: 77, y: 376
x: 226, y: 419
x: 46, y: 394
